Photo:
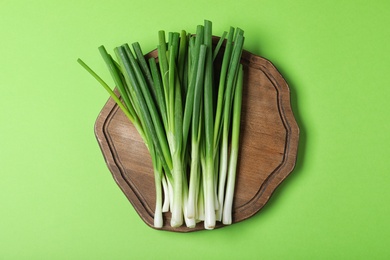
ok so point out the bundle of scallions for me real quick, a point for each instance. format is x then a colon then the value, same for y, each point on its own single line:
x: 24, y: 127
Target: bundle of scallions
x: 188, y: 115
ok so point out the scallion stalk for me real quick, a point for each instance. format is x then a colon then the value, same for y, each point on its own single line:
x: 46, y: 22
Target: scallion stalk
x: 209, y: 189
x: 196, y: 134
x: 231, y: 74
x: 231, y: 179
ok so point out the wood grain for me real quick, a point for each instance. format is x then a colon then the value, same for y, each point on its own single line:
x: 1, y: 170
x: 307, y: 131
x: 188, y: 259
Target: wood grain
x: 269, y: 142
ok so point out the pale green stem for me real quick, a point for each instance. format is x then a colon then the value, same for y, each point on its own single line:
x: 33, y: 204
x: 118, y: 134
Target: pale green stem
x: 158, y: 217
x: 228, y: 204
x: 177, y: 174
x: 165, y: 207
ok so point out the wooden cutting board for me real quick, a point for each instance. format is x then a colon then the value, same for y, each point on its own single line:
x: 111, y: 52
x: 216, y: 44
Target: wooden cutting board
x: 269, y: 142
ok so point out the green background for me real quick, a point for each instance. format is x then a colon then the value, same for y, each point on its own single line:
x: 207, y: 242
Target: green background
x: 57, y: 198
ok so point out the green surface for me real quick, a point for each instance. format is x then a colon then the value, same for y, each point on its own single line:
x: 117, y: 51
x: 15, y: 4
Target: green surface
x: 58, y: 199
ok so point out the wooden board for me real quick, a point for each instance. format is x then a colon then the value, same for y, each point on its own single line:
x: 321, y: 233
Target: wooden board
x: 269, y: 142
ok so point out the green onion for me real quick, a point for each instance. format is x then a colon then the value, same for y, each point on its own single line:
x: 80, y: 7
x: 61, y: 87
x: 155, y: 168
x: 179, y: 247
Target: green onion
x: 227, y: 208
x: 196, y: 134
x: 209, y: 189
x: 228, y: 97
x: 185, y: 119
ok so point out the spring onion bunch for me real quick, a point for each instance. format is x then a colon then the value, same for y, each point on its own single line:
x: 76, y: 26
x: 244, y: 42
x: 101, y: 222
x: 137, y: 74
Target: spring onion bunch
x: 188, y: 115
